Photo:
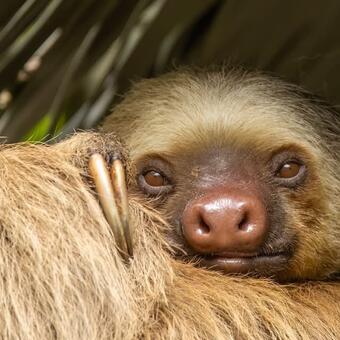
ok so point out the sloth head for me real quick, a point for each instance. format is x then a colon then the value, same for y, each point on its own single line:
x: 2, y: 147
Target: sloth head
x: 244, y: 167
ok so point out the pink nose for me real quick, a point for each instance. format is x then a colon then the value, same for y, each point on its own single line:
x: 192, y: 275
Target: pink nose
x: 226, y: 221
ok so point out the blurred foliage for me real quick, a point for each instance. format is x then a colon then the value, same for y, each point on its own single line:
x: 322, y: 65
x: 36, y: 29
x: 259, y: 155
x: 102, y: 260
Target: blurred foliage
x: 63, y: 63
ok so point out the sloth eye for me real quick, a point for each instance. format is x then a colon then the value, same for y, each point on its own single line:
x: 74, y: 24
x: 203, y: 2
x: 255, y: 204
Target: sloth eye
x: 289, y: 170
x: 290, y: 173
x: 154, y: 182
x: 155, y: 179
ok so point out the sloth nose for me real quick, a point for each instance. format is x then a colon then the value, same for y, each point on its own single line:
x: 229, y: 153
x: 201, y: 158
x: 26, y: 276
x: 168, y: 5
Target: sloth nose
x: 226, y: 222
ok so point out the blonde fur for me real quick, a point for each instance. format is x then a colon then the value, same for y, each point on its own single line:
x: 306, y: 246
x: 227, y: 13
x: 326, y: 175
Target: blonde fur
x: 62, y: 278
x: 61, y: 275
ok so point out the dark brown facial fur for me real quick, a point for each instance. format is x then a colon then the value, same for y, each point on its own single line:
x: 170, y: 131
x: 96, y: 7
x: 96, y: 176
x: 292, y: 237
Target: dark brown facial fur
x: 225, y: 207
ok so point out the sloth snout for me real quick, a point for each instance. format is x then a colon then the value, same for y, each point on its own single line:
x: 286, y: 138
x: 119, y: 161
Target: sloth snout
x: 226, y: 221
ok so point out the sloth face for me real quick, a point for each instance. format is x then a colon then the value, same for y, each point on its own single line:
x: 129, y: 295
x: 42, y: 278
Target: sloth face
x: 228, y: 207
x: 243, y: 166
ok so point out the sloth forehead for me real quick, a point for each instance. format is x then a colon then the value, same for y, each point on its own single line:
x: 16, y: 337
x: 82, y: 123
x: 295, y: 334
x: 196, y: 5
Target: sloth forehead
x: 223, y: 123
x: 218, y: 109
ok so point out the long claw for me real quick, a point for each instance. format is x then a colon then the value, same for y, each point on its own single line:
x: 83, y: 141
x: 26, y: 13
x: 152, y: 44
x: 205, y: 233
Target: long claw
x: 120, y: 188
x: 108, y: 200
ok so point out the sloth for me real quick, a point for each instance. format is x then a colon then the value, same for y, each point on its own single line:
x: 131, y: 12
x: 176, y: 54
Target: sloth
x: 233, y: 192
x: 244, y: 167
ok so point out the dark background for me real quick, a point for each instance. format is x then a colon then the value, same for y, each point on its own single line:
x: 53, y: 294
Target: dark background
x: 63, y: 63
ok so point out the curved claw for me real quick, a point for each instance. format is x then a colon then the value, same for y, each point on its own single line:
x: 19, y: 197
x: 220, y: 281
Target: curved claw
x: 120, y: 188
x: 112, y: 196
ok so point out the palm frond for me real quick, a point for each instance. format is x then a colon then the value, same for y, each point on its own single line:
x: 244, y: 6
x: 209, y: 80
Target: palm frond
x: 64, y: 61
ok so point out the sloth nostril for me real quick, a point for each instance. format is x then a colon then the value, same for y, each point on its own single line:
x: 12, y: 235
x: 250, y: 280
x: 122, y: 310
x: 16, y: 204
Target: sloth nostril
x: 203, y: 228
x: 244, y: 223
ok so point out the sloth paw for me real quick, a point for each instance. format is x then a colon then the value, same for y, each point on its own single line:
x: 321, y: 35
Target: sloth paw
x: 82, y: 146
x: 103, y: 162
x: 110, y: 185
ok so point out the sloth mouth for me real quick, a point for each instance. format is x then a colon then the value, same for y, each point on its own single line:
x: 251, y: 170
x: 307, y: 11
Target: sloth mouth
x: 240, y: 263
